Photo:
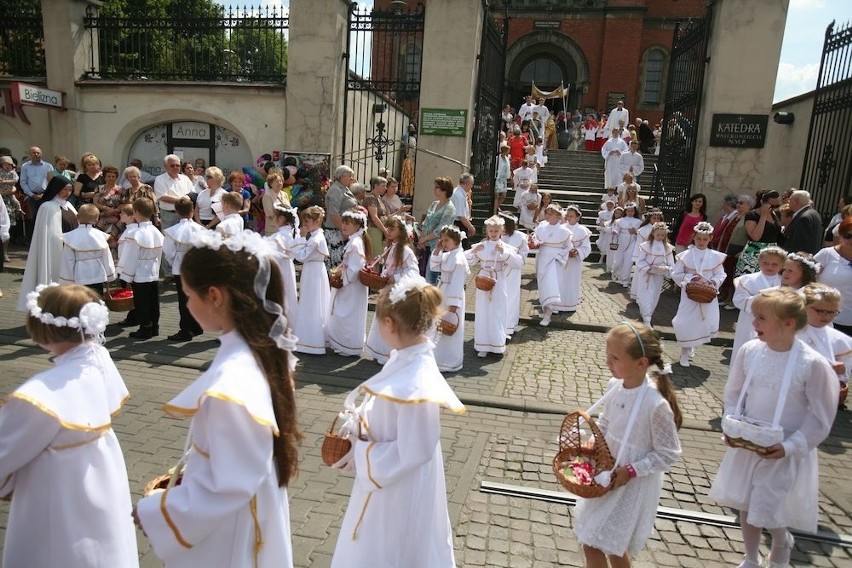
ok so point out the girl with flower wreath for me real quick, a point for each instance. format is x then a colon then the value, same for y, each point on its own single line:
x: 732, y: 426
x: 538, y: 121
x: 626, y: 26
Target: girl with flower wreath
x: 287, y: 221
x: 397, y: 513
x: 449, y: 261
x: 639, y: 421
x: 60, y: 462
x: 311, y: 249
x: 347, y: 319
x: 654, y: 261
x: 231, y: 507
x: 696, y: 323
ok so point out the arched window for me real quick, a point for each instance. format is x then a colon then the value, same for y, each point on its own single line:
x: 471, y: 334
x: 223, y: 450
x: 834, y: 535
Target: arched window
x: 542, y: 71
x: 655, y: 62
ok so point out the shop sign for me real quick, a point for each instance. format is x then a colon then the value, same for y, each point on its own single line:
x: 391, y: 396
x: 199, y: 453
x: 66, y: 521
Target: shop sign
x: 33, y: 95
x: 739, y: 130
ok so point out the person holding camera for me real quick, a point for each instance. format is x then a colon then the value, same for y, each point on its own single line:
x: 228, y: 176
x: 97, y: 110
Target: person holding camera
x: 763, y: 228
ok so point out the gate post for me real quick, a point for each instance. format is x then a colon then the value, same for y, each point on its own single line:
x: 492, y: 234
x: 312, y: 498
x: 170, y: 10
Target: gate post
x: 453, y: 32
x: 315, y: 75
x: 745, y: 46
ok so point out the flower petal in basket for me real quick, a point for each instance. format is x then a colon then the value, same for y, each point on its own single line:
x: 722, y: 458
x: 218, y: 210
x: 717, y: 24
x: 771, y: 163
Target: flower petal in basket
x: 758, y: 432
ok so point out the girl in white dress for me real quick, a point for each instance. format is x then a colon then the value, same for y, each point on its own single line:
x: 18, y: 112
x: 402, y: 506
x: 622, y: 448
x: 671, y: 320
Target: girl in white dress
x: 398, y: 260
x: 626, y: 234
x: 616, y: 526
x: 496, y: 258
x: 643, y: 234
x: 777, y: 377
x: 397, y: 513
x: 554, y: 240
x: 448, y: 259
x: 311, y: 249
x: 604, y: 218
x: 518, y: 239
x: 746, y: 288
x: 571, y: 277
x: 60, y: 461
x: 347, y: 319
x: 287, y: 221
x: 696, y: 323
x: 654, y: 262
x: 231, y: 507
x: 609, y: 230
x: 823, y: 303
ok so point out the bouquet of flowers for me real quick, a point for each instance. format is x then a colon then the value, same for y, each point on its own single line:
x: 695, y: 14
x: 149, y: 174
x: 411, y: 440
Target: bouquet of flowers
x: 581, y: 470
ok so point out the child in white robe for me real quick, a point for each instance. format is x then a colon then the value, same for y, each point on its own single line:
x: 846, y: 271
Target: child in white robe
x: 347, y: 319
x: 571, y: 277
x: 779, y: 487
x: 398, y: 260
x: 642, y: 234
x: 448, y: 258
x: 519, y: 241
x: 283, y: 240
x: 746, y: 287
x: 654, y: 262
x: 125, y: 215
x: 603, y: 240
x: 540, y: 153
x: 523, y: 177
x: 140, y: 266
x: 823, y: 304
x: 616, y: 526
x: 609, y: 230
x: 626, y: 234
x: 311, y: 249
x: 496, y: 258
x: 397, y: 513
x: 696, y: 323
x: 86, y: 258
x: 232, y: 222
x: 60, y: 461
x: 178, y: 240
x: 528, y: 204
x: 554, y: 240
x: 231, y: 507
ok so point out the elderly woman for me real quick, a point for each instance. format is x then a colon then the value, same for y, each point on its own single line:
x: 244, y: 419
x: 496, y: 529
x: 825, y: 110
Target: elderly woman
x: 108, y: 198
x: 205, y: 205
x: 376, y: 211
x: 137, y: 189
x: 338, y: 199
x: 441, y: 213
x: 276, y: 197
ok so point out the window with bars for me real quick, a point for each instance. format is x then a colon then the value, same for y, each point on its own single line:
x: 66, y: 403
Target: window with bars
x: 655, y: 60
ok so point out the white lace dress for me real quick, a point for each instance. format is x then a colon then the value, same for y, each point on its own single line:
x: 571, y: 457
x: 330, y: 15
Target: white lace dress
x: 622, y: 520
x: 783, y: 492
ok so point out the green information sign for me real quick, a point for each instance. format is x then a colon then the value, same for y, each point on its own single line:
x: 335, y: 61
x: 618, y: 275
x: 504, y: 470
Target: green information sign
x: 443, y: 121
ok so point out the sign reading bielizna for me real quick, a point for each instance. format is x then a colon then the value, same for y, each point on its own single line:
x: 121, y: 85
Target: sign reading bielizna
x: 739, y: 130
x: 33, y: 95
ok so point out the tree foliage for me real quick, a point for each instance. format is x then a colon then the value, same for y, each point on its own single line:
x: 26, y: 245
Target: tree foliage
x: 21, y: 39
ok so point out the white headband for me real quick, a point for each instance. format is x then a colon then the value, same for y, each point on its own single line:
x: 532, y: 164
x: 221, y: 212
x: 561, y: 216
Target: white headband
x: 407, y: 283
x: 812, y: 264
x: 703, y: 228
x: 92, y: 319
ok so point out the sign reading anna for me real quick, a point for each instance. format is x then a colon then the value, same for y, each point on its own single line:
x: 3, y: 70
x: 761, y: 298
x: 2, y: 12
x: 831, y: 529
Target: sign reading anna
x: 443, y: 121
x: 33, y: 95
x: 739, y: 130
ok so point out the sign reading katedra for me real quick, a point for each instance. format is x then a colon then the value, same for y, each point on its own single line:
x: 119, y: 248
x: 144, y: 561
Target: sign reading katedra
x: 739, y: 130
x: 33, y: 95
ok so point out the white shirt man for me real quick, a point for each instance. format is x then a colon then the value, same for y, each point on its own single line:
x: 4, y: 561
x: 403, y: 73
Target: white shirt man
x: 619, y: 117
x: 633, y: 161
x: 526, y: 110
x: 543, y: 111
x: 169, y: 187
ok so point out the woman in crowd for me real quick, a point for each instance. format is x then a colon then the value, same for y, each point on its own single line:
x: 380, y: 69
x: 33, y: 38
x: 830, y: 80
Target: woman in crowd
x: 374, y: 202
x: 108, y: 198
x: 210, y: 198
x: 517, y: 146
x: 736, y: 242
x: 274, y: 198
x: 694, y: 213
x: 338, y: 199
x: 441, y: 213
x: 89, y: 179
x: 837, y: 273
x: 188, y: 169
x: 138, y: 189
x: 763, y: 228
x: 830, y: 237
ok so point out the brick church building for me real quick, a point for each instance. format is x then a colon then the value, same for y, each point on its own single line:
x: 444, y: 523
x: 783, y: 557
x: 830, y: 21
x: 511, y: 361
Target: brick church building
x: 602, y: 50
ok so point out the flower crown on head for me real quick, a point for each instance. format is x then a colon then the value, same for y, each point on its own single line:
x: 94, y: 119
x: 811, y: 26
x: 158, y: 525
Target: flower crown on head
x: 508, y: 216
x: 92, y: 319
x: 573, y: 207
x: 703, y: 228
x: 631, y: 205
x: 658, y: 226
x: 453, y: 229
x: 359, y: 216
x: 494, y: 222
x: 400, y: 290
x: 812, y: 264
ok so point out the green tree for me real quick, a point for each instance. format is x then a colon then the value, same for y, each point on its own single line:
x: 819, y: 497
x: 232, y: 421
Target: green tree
x: 259, y: 50
x: 21, y: 39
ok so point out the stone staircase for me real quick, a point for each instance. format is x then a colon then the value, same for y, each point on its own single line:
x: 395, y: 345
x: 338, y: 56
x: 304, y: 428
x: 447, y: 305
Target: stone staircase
x: 571, y: 177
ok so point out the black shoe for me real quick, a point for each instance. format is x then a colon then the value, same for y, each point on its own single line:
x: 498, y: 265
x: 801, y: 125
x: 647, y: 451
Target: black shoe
x: 155, y: 330
x: 143, y: 333
x: 128, y: 322
x: 196, y: 333
x: 182, y: 335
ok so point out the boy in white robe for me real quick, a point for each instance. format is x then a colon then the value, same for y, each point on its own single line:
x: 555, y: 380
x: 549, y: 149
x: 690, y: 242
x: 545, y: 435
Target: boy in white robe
x: 178, y: 240
x: 496, y: 258
x: 604, y: 218
x: 86, y: 258
x: 125, y: 215
x: 140, y: 266
x: 60, y: 461
x: 397, y: 513
x: 570, y: 280
x: 554, y: 240
x: 232, y: 222
x: 696, y: 323
x: 448, y: 259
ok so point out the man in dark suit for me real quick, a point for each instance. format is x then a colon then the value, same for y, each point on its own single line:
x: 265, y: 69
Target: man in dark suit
x: 804, y: 233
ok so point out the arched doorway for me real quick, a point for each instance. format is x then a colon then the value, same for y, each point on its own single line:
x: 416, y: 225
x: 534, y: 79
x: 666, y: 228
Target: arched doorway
x: 546, y: 58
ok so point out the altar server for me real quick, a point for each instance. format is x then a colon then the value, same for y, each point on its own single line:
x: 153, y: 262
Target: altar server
x: 86, y: 258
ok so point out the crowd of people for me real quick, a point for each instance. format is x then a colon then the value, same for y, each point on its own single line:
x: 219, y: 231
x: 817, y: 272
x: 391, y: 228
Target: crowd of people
x: 276, y: 280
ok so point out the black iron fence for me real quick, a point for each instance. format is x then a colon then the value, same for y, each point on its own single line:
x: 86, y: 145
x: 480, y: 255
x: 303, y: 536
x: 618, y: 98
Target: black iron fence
x: 238, y: 45
x: 22, y: 41
x: 828, y: 164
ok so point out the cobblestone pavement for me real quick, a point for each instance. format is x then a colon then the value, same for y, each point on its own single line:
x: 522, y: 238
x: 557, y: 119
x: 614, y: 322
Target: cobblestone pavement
x: 515, y: 407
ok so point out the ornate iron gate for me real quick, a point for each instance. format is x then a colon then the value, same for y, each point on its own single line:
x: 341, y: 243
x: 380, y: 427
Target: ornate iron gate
x: 489, y: 101
x: 382, y: 95
x: 828, y: 164
x: 684, y: 92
